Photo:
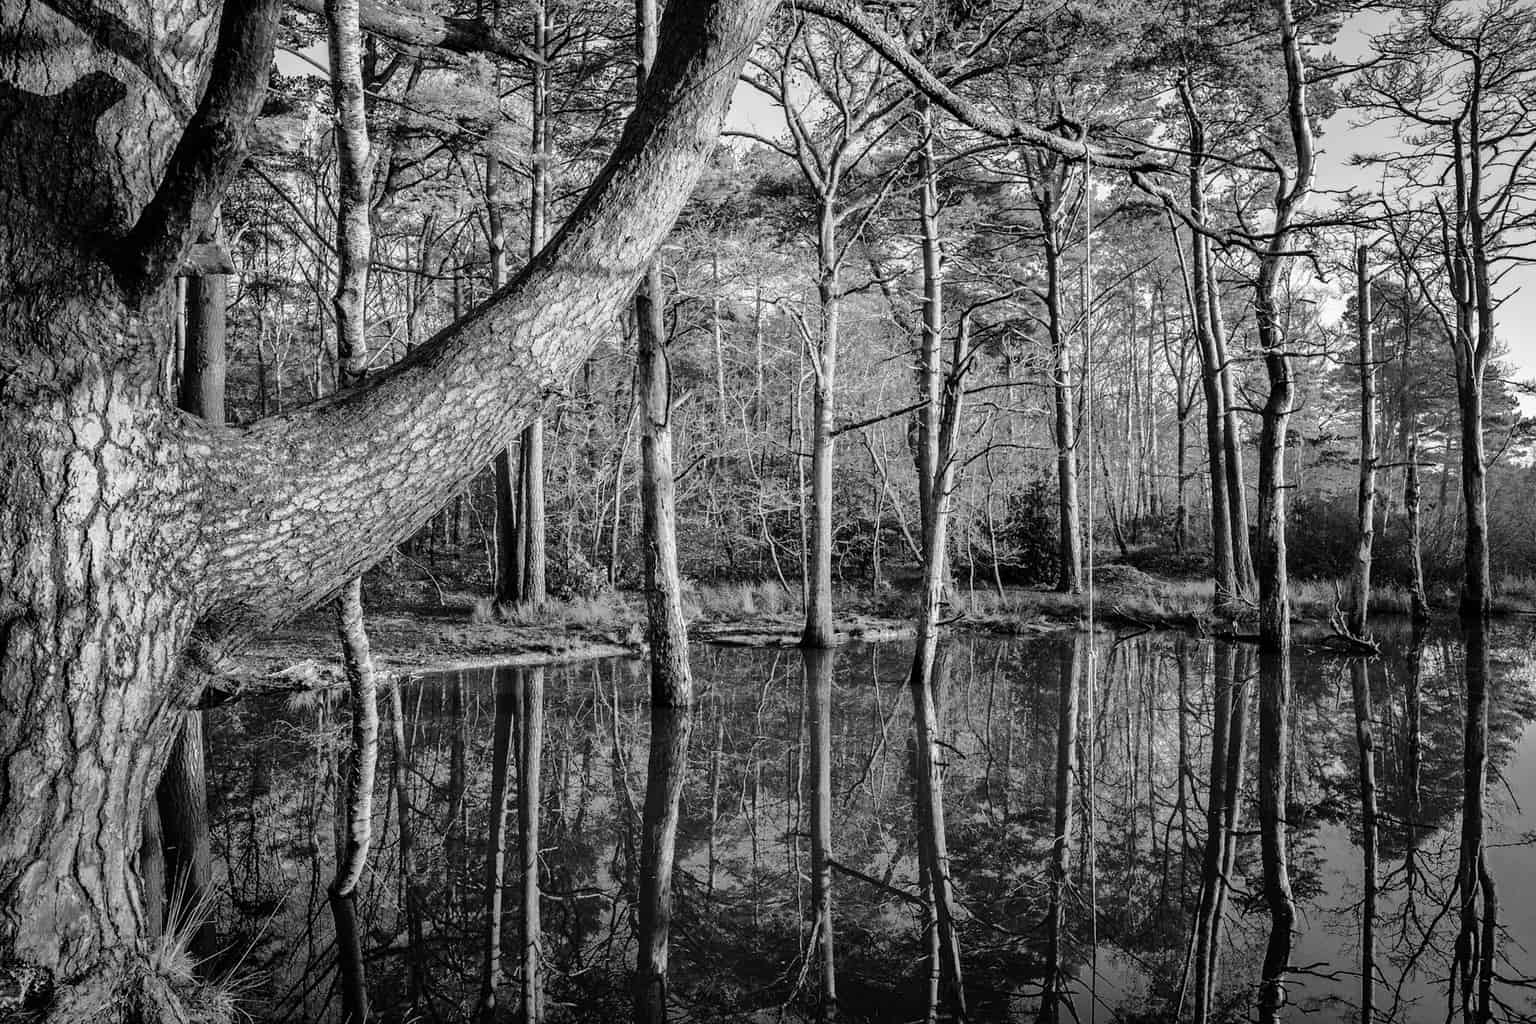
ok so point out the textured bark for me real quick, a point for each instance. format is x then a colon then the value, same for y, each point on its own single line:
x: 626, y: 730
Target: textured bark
x: 665, y: 770
x: 140, y: 523
x: 666, y: 628
x: 1365, y: 512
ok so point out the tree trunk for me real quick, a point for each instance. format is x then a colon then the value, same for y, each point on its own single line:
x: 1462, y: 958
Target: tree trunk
x: 1291, y: 192
x: 667, y: 629
x: 353, y: 242
x: 819, y: 631
x: 1223, y: 566
x: 1415, y: 546
x: 1064, y: 410
x: 532, y: 548
x: 508, y: 580
x: 1365, y: 516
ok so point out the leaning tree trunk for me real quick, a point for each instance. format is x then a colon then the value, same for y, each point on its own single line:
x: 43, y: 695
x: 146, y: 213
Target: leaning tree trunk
x: 150, y: 540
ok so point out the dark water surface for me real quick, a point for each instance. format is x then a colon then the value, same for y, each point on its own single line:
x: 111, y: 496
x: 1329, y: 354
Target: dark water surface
x: 798, y: 820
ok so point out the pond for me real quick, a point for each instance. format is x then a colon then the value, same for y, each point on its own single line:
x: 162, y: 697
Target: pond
x: 1129, y: 887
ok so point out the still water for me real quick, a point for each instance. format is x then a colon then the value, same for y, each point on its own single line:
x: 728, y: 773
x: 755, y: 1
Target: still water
x: 1100, y: 838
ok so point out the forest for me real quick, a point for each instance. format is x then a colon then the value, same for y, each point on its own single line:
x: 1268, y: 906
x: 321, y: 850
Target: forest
x: 738, y: 510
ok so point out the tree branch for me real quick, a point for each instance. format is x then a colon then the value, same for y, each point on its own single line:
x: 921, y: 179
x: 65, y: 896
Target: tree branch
x: 295, y: 504
x: 210, y: 151
x: 423, y: 28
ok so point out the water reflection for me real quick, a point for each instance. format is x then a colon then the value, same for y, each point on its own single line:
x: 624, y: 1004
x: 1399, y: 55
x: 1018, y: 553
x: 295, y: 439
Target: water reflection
x: 1005, y: 842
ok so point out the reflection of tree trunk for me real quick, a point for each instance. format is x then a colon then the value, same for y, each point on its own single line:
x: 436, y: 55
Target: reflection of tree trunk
x: 1274, y: 712
x: 932, y: 837
x: 496, y: 845
x: 349, y: 958
x: 1365, y: 739
x: 818, y: 672
x: 1222, y: 808
x: 665, y: 771
x: 1413, y: 758
x: 1477, y: 939
x: 1061, y: 850
x: 400, y: 776
x: 454, y: 828
x: 529, y: 778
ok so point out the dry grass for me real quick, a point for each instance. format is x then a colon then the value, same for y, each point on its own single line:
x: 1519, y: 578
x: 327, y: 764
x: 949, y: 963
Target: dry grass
x: 199, y: 1000
x: 733, y: 602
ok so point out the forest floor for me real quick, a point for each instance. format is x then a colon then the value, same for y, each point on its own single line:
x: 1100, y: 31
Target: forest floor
x: 414, y: 629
